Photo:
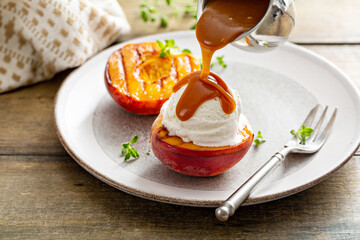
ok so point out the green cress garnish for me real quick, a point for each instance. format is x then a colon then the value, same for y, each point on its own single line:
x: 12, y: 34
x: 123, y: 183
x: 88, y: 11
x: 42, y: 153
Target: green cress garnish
x: 186, y: 51
x: 128, y: 150
x: 165, y: 47
x: 302, y: 134
x: 259, y: 139
x: 221, y: 61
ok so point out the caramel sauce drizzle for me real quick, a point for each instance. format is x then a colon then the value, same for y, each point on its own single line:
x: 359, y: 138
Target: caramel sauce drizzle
x: 220, y: 24
x: 199, y: 91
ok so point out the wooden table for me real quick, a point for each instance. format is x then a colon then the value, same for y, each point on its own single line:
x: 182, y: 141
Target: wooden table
x: 44, y: 194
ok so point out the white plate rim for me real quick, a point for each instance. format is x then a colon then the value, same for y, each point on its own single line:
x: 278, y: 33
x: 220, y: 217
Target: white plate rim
x: 193, y: 202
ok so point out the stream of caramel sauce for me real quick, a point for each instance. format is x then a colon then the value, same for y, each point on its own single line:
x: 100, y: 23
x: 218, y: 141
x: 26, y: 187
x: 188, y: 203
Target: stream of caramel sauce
x: 221, y: 22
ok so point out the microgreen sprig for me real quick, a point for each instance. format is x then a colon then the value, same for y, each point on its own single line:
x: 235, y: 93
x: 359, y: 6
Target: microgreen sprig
x: 128, y: 150
x: 193, y: 27
x: 186, y: 51
x: 221, y: 62
x: 302, y: 134
x: 163, y: 10
x: 165, y: 47
x: 259, y: 139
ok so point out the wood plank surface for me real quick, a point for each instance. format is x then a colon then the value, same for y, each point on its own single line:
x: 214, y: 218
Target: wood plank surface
x: 327, y: 21
x: 44, y: 194
x: 51, y: 197
x: 140, y: 28
x: 320, y: 21
x: 346, y: 57
x: 26, y: 122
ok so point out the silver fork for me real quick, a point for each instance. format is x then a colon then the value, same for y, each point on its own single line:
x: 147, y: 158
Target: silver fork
x: 312, y: 145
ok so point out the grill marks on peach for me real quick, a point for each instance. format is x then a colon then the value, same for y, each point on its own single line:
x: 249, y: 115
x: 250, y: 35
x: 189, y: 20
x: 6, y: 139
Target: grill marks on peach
x: 149, y: 76
x: 140, y: 81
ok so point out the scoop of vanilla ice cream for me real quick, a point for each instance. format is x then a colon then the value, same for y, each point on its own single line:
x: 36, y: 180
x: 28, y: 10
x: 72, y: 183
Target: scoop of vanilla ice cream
x: 209, y: 126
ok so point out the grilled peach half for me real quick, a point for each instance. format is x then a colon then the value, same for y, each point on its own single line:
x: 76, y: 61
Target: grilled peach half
x: 140, y: 81
x: 190, y: 159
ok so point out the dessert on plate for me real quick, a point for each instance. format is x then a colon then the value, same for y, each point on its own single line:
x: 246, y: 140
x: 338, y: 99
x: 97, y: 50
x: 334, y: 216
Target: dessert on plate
x: 208, y: 143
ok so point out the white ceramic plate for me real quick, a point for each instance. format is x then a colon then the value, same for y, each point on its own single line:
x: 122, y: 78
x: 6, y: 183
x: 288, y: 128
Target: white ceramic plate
x: 277, y: 90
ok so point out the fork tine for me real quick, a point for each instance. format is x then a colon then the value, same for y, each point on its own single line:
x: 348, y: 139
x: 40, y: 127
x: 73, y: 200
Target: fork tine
x: 327, y: 129
x: 310, y: 118
x: 318, y: 124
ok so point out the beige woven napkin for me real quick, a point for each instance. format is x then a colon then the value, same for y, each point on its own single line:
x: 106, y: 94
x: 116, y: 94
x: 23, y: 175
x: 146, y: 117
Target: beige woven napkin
x: 39, y: 38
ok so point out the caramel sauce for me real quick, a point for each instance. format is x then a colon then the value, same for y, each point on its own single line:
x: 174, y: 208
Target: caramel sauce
x: 199, y: 91
x: 221, y: 22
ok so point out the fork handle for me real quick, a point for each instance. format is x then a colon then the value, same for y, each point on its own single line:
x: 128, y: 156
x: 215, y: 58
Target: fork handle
x: 228, y: 208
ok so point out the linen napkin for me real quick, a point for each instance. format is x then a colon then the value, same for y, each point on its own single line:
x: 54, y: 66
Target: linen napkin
x: 39, y: 38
